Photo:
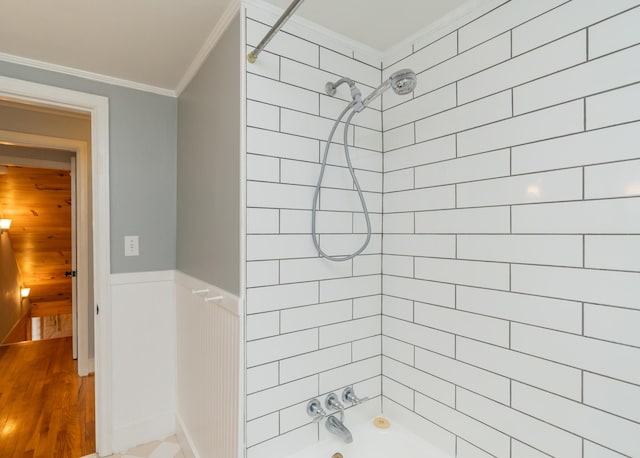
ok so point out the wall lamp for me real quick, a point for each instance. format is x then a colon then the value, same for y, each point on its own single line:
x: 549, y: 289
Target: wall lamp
x: 5, y: 224
x: 24, y: 293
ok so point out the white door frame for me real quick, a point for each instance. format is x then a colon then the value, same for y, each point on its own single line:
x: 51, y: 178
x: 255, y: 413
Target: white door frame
x: 79, y: 169
x: 98, y: 108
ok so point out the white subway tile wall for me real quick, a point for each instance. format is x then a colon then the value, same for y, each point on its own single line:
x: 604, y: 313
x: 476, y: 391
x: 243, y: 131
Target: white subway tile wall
x: 519, y: 336
x: 497, y: 308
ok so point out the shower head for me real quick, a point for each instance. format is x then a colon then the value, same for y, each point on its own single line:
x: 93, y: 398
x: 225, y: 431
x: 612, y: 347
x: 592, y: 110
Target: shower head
x: 402, y: 82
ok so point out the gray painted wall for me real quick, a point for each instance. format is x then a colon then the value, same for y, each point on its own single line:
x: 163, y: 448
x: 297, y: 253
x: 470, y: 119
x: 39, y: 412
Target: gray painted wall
x: 208, y: 245
x: 11, y: 308
x: 142, y: 167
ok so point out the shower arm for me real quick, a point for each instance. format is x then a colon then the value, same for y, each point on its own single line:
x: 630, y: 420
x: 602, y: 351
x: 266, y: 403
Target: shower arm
x: 253, y: 55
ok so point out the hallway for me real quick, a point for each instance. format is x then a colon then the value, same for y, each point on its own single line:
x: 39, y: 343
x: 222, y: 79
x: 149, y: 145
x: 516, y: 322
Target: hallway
x: 46, y: 409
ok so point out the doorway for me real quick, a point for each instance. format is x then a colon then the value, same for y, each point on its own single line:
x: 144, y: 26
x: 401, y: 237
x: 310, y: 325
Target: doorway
x: 97, y: 108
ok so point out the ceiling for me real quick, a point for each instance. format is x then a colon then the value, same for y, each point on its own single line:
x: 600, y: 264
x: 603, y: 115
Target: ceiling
x: 153, y: 42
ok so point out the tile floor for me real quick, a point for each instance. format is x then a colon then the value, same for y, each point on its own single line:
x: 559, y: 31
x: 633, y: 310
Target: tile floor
x: 167, y: 448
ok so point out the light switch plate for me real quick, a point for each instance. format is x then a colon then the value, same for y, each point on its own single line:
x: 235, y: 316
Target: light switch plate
x: 131, y: 245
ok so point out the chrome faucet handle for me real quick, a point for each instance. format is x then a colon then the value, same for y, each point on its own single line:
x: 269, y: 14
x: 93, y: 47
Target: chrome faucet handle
x: 332, y: 402
x: 349, y: 395
x: 315, y: 410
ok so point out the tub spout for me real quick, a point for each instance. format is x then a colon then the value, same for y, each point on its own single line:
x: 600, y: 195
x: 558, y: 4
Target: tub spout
x: 338, y: 428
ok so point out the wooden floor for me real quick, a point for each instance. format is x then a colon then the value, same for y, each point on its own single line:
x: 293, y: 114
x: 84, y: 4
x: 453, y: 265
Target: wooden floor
x: 46, y: 409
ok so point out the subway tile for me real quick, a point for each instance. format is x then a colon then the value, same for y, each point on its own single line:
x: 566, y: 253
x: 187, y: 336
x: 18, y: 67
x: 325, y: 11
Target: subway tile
x: 539, y: 311
x: 398, y: 350
x: 367, y: 264
x: 595, y: 76
x: 540, y: 125
x: 299, y: 222
x: 429, y: 56
x: 567, y: 18
x: 398, y: 223
x: 262, y: 325
x: 294, y: 417
x: 346, y: 288
x: 276, y: 144
x: 617, y: 252
x: 613, y: 324
x: 601, y: 427
x: 262, y: 428
x: 480, y: 112
x: 466, y: 427
x: 301, y: 270
x: 313, y: 79
x: 477, y: 167
x: 306, y: 173
x: 419, y: 290
x: 262, y: 377
x: 401, y: 266
x: 283, y: 95
x: 548, y: 59
x: 613, y: 107
x: 604, y: 145
x: 267, y: 401
x: 592, y: 450
x: 420, y: 199
x: 397, y: 392
x: 344, y: 200
x: 507, y: 16
x: 420, y: 107
x: 598, y: 286
x: 620, y: 179
x: 269, y: 298
x: 367, y: 306
x: 331, y: 107
x: 522, y: 189
x: 263, y: 168
x: 368, y: 138
x: 614, y: 216
x: 268, y: 65
x: 285, y: 444
x: 284, y: 44
x: 420, y: 153
x: 344, y: 244
x: 557, y: 378
x: 490, y: 220
x: 613, y: 360
x: 529, y: 430
x: 360, y: 224
x: 614, y: 34
x: 461, y: 323
x: 305, y: 125
x: 520, y: 450
x: 420, y: 381
x: 267, y: 247
x: 469, y: 273
x: 421, y: 336
x: 465, y: 450
x: 262, y: 221
x: 399, y: 180
x: 397, y: 308
x: 367, y: 348
x: 399, y: 137
x: 337, y: 379
x: 443, y: 246
x: 284, y: 346
x: 613, y: 396
x: 314, y: 362
x: 362, y: 159
x: 276, y: 195
x: 560, y: 250
x: 464, y: 64
x: 263, y: 116
x: 344, y: 66
x: 262, y: 273
x: 349, y: 331
x: 475, y: 379
x: 428, y: 430
x: 312, y: 316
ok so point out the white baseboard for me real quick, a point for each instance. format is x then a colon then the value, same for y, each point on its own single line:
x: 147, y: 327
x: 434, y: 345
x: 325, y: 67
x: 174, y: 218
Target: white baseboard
x: 152, y: 429
x: 189, y: 449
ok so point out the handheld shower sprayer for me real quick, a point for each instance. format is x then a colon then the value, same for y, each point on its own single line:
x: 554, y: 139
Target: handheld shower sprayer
x: 402, y: 82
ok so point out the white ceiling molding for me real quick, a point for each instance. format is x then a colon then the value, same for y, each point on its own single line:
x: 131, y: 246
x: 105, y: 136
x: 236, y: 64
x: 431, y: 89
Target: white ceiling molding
x: 211, y: 41
x: 85, y: 74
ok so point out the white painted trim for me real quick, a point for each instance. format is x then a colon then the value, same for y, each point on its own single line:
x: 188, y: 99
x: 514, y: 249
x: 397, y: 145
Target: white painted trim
x: 130, y: 278
x: 98, y: 108
x: 229, y: 302
x: 33, y: 162
x: 85, y: 74
x: 211, y: 41
x: 189, y: 449
x: 151, y: 429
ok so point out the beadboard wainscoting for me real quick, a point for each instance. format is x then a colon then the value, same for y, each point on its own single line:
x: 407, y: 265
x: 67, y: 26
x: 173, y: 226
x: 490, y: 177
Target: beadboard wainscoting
x: 208, y: 372
x: 143, y: 357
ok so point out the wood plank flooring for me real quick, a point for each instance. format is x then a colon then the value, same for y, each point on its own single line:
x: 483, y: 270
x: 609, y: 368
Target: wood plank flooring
x: 46, y: 409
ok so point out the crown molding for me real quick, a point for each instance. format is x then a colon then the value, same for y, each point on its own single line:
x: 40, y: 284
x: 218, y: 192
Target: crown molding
x: 211, y: 41
x: 85, y: 74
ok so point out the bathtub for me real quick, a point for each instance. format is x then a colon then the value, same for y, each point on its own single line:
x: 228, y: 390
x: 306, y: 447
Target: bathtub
x: 372, y: 442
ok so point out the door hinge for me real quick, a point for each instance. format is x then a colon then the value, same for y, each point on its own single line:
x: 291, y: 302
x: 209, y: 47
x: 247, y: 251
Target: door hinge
x: 71, y: 273
x: 97, y: 309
